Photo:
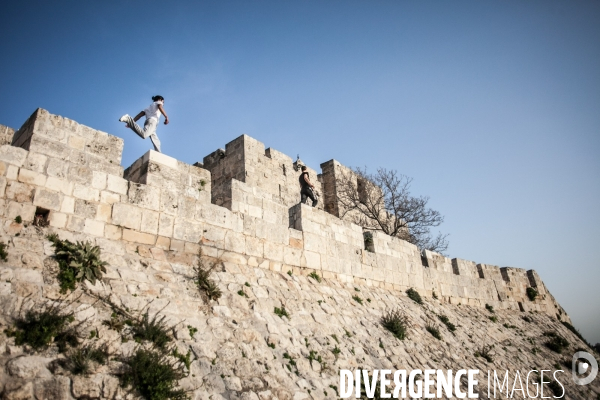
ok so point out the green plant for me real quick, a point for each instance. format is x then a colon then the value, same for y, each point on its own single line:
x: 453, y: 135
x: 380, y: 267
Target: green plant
x: 451, y: 327
x: 556, y: 343
x: 18, y: 219
x: 489, y: 308
x: 281, y: 312
x: 153, y: 330
x: 192, y: 331
x: 493, y: 318
x: 3, y: 252
x: 357, y: 299
x: 154, y: 375
x: 202, y: 278
x: 185, y: 359
x: 115, y: 322
x: 271, y: 345
x: 336, y: 351
x: 246, y: 284
x: 77, y: 262
x: 290, y: 272
x: 242, y: 293
x: 531, y: 293
x: 526, y: 319
x: 291, y: 362
x: 414, y: 296
x: 434, y: 331
x: 395, y: 322
x: 39, y: 328
x: 79, y: 361
x: 315, y: 276
x: 484, y: 352
x: 334, y: 336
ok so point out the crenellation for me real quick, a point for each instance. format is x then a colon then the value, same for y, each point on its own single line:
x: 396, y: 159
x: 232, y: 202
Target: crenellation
x: 241, y: 204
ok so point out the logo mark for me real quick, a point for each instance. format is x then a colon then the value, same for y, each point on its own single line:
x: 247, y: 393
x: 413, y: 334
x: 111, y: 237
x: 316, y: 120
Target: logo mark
x: 582, y: 367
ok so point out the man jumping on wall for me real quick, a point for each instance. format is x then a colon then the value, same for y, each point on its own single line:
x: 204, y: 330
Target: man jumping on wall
x: 152, y: 114
x: 306, y: 188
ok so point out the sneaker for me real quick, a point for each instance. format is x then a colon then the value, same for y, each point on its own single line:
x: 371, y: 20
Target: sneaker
x: 124, y: 118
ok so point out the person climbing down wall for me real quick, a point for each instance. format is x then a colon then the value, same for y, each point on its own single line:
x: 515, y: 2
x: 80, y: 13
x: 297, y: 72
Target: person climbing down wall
x: 152, y: 114
x: 306, y: 188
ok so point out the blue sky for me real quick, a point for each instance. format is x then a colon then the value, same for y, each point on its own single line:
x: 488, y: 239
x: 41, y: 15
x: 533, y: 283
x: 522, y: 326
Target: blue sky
x: 492, y: 107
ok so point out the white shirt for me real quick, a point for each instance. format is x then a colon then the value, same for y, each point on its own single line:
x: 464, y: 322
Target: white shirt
x: 152, y: 111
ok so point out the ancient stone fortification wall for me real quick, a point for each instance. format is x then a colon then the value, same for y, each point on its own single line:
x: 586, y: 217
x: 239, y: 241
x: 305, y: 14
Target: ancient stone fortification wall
x: 151, y: 226
x: 74, y: 171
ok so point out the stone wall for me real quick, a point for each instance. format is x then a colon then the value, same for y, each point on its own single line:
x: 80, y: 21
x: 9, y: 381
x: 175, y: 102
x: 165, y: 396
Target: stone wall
x: 246, y: 160
x: 6, y: 135
x: 152, y: 225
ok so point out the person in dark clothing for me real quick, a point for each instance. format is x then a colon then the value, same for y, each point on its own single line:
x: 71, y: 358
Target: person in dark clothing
x: 306, y: 188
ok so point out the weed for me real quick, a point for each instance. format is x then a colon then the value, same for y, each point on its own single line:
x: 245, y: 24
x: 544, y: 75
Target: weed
x: 192, y: 331
x: 242, y: 293
x: 336, y: 351
x: 489, y: 308
x: 290, y: 273
x: 77, y: 262
x: 381, y: 344
x: 314, y: 356
x: 507, y: 326
x: 153, y: 330
x: 493, y: 318
x: 357, y: 299
x: 576, y: 332
x: 79, y: 361
x: 291, y: 362
x: 535, y: 350
x: 434, y: 331
x: 334, y: 336
x: 315, y: 276
x: 281, y: 312
x: 414, y: 296
x: 247, y: 284
x: 348, y: 334
x: 484, y: 352
x: 205, y: 284
x: 357, y: 289
x: 531, y: 293
x: 38, y: 328
x: 154, y: 375
x: 184, y: 359
x: 3, y: 252
x: 18, y: 219
x: 526, y: 319
x: 115, y: 322
x: 271, y: 345
x: 451, y: 327
x: 352, y: 351
x: 395, y: 322
x: 369, y: 300
x: 556, y: 343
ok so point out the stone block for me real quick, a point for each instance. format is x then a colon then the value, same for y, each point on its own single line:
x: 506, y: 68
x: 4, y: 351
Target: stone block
x: 13, y: 155
x: 138, y: 237
x: 19, y: 192
x: 93, y: 227
x: 2, y: 186
x: 109, y: 197
x: 273, y: 251
x: 85, y: 208
x: 59, y: 185
x: 12, y: 172
x: 149, y: 221
x: 57, y: 219
x: 68, y: 205
x: 48, y: 199
x: 99, y: 180
x: 127, y: 216
x: 35, y: 162
x: 104, y: 212
x: 85, y: 192
x: 116, y: 184
x: 75, y: 223
x: 234, y: 242
x: 112, y: 232
x: 25, y: 211
x: 254, y: 246
x: 189, y: 231
x: 144, y: 196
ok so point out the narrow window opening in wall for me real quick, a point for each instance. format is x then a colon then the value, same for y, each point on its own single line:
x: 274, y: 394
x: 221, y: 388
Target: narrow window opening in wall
x: 41, y: 217
x: 369, y: 245
x: 455, y: 269
x: 424, y: 260
x: 480, y: 271
x: 521, y: 306
x: 504, y: 273
x: 361, y: 187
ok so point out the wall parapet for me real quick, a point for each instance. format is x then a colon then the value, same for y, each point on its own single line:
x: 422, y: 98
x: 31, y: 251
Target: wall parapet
x: 58, y: 165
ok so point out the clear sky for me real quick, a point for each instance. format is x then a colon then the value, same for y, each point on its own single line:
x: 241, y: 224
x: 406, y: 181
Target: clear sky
x: 493, y: 107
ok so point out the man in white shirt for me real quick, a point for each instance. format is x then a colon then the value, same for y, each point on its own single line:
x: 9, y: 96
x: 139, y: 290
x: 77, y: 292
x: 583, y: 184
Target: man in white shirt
x: 152, y: 114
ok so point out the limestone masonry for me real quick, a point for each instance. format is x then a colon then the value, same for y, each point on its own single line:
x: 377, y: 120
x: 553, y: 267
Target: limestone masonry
x: 241, y: 205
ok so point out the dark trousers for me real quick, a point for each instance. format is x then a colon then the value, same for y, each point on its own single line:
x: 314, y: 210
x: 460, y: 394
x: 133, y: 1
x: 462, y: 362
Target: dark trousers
x: 307, y: 192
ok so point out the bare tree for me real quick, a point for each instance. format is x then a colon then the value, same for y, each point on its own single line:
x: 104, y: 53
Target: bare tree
x: 382, y: 201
